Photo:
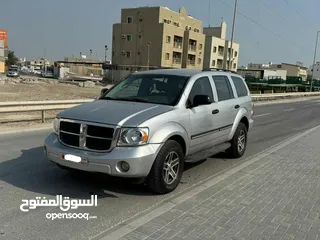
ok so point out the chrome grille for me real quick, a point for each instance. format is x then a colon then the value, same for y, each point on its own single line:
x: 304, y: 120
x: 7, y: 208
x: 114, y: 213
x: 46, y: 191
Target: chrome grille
x: 86, y: 136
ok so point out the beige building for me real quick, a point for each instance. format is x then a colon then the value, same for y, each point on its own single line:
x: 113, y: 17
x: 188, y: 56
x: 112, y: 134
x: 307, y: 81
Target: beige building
x: 217, y: 48
x: 292, y: 70
x: 158, y: 37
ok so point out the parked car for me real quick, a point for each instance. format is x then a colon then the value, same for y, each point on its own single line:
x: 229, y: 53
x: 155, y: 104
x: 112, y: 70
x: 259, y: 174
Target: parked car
x: 12, y: 73
x: 151, y: 123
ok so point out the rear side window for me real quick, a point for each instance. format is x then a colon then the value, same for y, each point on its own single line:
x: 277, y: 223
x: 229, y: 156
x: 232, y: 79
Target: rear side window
x: 223, y: 87
x: 240, y: 86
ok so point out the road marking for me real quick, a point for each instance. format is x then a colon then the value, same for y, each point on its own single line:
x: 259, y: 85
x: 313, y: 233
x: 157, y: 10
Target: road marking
x: 261, y: 115
x: 287, y: 110
x: 131, y: 224
x: 307, y: 105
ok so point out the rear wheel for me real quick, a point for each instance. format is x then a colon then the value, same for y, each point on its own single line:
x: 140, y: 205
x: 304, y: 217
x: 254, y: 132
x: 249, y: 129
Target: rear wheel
x: 238, y: 142
x: 167, y: 168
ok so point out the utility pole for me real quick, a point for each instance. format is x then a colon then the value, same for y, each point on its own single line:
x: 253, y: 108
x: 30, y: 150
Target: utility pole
x: 209, y: 13
x: 314, y: 60
x: 105, y: 53
x: 232, y: 34
x: 149, y: 43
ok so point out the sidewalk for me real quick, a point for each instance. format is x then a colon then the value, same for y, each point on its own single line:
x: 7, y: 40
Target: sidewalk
x: 274, y: 196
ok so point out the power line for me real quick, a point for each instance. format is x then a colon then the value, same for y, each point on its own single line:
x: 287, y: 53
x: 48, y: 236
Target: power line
x: 298, y: 12
x: 265, y: 28
x: 279, y: 16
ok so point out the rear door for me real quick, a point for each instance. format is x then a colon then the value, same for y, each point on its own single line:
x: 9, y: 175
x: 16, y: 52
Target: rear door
x: 227, y: 105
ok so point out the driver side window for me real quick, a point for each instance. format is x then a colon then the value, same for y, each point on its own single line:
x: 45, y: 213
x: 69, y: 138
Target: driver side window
x: 201, y: 86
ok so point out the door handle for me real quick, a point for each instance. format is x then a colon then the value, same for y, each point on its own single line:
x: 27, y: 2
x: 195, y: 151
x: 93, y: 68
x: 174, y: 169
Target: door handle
x: 215, y: 111
x: 236, y: 106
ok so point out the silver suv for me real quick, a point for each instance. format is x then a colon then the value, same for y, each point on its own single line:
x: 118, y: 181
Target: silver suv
x: 151, y: 123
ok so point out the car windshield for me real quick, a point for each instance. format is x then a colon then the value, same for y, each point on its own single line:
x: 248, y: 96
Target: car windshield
x: 151, y: 88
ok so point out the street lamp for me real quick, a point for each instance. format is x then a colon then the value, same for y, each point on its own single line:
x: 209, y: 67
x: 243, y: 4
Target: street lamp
x: 232, y: 34
x: 105, y: 53
x: 149, y: 43
x: 314, y: 60
x: 90, y: 52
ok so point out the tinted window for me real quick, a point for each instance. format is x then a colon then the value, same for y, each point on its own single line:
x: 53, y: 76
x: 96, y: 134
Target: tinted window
x: 240, y: 86
x: 223, y: 87
x: 201, y: 87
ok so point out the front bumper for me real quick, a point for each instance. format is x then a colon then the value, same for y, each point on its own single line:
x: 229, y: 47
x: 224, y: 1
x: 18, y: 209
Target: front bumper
x: 139, y: 158
x: 250, y: 123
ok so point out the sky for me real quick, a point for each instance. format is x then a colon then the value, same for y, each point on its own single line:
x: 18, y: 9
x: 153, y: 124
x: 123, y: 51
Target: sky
x: 267, y: 30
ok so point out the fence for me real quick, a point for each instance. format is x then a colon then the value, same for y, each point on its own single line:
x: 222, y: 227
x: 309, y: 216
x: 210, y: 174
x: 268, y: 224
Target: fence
x: 39, y: 106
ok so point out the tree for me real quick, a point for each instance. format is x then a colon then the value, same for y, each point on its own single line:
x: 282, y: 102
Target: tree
x: 12, y: 59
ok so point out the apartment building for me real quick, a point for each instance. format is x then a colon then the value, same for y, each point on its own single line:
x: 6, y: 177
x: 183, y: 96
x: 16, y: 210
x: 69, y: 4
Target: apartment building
x: 217, y: 48
x: 3, y: 49
x: 293, y: 70
x: 158, y: 37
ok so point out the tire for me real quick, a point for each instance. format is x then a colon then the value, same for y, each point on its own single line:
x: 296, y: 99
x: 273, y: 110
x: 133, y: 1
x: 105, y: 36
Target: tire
x: 159, y: 179
x: 236, y: 151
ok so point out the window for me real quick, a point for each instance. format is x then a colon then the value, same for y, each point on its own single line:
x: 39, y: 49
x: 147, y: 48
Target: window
x: 199, y: 60
x: 150, y: 88
x: 139, y: 35
x: 200, y: 46
x: 112, y: 53
x: 278, y: 66
x: 201, y: 86
x: 236, y: 54
x: 223, y: 87
x: 113, y: 38
x: 128, y: 54
x: 129, y: 37
x: 240, y: 86
x: 234, y: 65
x: 129, y: 19
x: 168, y: 39
x: 213, y: 63
x: 167, y: 56
x: 214, y: 49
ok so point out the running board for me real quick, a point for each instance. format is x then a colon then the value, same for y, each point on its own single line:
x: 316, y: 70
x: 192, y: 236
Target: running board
x: 207, y: 153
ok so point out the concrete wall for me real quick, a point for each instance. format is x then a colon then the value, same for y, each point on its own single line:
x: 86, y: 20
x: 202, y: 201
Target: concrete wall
x: 115, y: 76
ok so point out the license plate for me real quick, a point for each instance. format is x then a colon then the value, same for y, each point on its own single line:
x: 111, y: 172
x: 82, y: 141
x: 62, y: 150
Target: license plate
x: 75, y: 159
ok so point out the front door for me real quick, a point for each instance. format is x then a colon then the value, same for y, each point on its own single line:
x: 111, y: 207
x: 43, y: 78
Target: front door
x: 201, y: 117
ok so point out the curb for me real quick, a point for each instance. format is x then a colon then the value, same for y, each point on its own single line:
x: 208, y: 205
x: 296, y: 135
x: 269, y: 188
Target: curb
x: 126, y: 227
x: 26, y: 129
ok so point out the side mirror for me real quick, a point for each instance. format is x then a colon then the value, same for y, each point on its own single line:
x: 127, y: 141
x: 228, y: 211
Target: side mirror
x: 200, y: 100
x: 103, y: 91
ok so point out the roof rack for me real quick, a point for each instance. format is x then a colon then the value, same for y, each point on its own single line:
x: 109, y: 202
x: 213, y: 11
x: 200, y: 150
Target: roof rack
x: 218, y: 69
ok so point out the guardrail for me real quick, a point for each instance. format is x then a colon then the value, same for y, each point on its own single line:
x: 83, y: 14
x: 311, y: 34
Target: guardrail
x: 43, y: 106
x: 39, y: 106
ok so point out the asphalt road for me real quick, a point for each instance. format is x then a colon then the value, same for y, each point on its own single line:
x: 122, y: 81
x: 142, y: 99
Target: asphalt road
x: 25, y: 174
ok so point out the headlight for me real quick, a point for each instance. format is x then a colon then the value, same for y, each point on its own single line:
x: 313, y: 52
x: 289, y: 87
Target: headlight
x: 56, y: 125
x: 133, y: 136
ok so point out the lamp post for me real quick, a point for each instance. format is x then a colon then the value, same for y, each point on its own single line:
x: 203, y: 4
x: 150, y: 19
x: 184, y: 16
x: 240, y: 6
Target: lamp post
x: 314, y: 60
x: 148, y: 46
x: 105, y: 52
x: 232, y: 34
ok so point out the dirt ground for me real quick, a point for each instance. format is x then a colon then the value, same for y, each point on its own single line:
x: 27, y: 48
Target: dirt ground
x: 45, y: 91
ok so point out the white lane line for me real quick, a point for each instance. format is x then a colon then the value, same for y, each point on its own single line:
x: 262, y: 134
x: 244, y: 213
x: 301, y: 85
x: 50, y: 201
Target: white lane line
x: 307, y: 105
x: 261, y: 115
x: 287, y: 110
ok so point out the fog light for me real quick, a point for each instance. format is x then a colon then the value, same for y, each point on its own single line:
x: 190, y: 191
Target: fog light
x: 125, y: 166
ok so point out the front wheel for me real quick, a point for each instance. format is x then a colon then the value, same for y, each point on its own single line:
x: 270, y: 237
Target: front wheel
x: 167, y: 168
x: 238, y: 142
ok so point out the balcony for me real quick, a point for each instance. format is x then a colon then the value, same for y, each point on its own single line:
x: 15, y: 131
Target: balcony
x: 192, y: 48
x: 177, y: 45
x: 176, y: 61
x: 191, y: 62
x: 220, y: 53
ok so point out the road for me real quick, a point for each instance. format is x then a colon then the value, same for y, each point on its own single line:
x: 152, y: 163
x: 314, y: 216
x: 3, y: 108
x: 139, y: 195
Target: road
x: 25, y: 174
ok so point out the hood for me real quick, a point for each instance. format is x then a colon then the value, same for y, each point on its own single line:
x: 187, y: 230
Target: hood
x: 119, y: 113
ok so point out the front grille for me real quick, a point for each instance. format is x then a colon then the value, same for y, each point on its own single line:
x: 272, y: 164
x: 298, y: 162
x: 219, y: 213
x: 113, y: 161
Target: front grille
x: 86, y: 136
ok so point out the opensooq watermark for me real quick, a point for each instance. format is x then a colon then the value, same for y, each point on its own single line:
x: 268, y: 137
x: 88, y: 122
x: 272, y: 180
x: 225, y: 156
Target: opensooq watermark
x: 64, y: 203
